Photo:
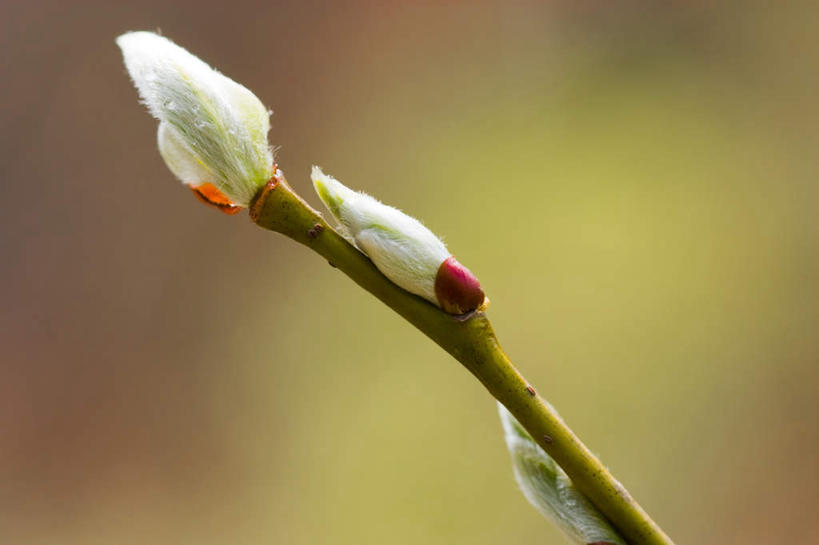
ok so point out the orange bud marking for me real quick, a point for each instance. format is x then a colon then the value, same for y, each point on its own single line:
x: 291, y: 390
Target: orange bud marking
x: 210, y: 195
x: 457, y: 289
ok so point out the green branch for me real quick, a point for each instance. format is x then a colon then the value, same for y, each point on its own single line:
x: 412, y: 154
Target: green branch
x: 471, y: 340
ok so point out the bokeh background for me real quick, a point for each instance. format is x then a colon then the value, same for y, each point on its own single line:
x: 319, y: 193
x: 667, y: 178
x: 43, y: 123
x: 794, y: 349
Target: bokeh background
x: 635, y: 184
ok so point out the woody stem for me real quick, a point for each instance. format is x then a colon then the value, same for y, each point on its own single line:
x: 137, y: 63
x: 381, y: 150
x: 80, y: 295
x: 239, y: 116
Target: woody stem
x: 471, y: 340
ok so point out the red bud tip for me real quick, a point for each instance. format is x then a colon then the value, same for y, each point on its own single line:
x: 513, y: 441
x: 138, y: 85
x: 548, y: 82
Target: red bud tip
x: 457, y: 289
x: 208, y: 194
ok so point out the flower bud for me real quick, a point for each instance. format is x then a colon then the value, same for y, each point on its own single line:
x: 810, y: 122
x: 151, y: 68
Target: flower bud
x: 212, y: 130
x: 401, y: 247
x: 550, y: 491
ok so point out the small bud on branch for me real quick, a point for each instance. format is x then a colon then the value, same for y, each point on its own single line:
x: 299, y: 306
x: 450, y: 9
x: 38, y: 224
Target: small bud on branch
x: 551, y: 492
x: 212, y: 130
x: 401, y: 247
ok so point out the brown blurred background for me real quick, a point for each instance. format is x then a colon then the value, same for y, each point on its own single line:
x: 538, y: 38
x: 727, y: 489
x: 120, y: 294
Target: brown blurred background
x: 634, y: 183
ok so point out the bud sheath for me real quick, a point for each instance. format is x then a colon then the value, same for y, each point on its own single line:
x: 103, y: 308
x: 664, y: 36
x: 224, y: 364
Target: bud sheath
x: 456, y: 288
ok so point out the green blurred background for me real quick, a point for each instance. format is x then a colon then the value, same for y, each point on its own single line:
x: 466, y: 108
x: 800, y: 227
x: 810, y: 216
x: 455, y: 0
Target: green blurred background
x: 634, y: 183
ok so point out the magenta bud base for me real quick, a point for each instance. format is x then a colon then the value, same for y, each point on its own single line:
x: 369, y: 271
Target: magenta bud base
x: 457, y: 289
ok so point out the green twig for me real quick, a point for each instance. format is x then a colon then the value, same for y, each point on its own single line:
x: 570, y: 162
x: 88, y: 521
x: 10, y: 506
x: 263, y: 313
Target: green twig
x: 471, y: 340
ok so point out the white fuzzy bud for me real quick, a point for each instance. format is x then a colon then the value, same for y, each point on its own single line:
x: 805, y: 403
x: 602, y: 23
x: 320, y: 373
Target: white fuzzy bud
x: 550, y: 491
x: 210, y: 126
x: 401, y: 247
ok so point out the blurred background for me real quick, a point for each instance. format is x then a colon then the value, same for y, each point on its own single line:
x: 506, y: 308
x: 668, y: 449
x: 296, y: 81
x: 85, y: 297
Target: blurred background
x: 634, y: 183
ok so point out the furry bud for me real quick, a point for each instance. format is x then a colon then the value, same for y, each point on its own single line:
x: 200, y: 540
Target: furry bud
x: 550, y: 491
x: 212, y: 130
x: 401, y: 247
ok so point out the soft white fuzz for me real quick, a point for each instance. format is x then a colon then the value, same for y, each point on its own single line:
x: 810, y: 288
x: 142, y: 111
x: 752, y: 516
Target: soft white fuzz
x: 213, y: 125
x: 401, y: 247
x: 179, y: 157
x: 550, y: 490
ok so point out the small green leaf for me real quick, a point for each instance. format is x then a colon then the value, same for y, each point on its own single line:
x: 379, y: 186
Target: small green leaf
x: 551, y: 491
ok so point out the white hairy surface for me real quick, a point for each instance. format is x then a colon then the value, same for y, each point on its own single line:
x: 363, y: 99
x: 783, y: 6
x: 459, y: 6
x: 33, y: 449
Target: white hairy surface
x: 180, y: 159
x: 221, y: 122
x: 549, y: 489
x: 401, y: 247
